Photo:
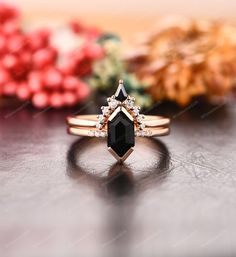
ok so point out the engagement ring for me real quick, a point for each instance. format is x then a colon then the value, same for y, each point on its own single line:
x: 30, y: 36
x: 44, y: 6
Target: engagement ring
x: 120, y: 122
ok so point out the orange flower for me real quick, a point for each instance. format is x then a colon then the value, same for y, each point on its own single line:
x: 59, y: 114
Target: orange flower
x: 184, y: 58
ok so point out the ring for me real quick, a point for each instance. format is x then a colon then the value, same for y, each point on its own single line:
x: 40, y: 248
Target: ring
x: 120, y: 122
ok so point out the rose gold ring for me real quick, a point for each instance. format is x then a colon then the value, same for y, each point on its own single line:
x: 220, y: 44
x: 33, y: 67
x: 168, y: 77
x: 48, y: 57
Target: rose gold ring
x: 120, y: 122
x: 92, y: 120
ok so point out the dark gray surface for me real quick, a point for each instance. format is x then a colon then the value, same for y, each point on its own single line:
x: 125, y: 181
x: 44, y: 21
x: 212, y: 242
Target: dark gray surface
x: 62, y: 197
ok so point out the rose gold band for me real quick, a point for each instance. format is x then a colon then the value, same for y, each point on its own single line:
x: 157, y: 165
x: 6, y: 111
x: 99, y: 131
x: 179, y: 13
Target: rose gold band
x: 85, y: 125
x: 93, y: 132
x: 91, y: 121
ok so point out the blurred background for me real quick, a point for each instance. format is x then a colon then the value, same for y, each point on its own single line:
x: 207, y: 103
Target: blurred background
x: 212, y: 8
x: 64, y: 196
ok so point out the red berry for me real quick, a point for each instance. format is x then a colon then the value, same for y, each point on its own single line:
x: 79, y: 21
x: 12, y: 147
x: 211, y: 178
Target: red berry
x: 52, y: 78
x: 10, y: 61
x: 68, y: 66
x: 71, y: 83
x: 77, y: 56
x: 9, y: 88
x: 3, y: 44
x: 93, y: 51
x: 35, y: 82
x: 19, y: 72
x: 28, y: 63
x: 84, y: 68
x: 7, y: 12
x: 56, y: 100
x: 11, y: 27
x: 83, y: 91
x: 13, y: 64
x: 25, y: 58
x: 44, y: 57
x: 38, y: 39
x: 4, y: 76
x: 23, y: 91
x: 16, y: 43
x: 40, y: 100
x: 69, y: 98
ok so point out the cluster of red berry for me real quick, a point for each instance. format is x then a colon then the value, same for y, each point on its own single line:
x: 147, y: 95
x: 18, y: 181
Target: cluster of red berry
x: 30, y: 66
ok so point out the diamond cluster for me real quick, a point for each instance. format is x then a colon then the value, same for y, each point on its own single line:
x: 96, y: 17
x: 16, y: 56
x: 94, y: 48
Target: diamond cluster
x: 143, y: 133
x: 97, y: 133
x: 128, y: 104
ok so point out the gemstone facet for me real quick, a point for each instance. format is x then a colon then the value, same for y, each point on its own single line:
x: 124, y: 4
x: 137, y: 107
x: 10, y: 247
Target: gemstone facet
x: 120, y: 133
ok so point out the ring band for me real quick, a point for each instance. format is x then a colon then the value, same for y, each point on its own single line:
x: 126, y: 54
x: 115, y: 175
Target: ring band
x: 91, y: 120
x: 120, y: 122
x: 93, y: 132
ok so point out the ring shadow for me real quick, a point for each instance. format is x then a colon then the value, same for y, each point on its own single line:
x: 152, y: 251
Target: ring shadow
x: 120, y: 180
x: 120, y: 187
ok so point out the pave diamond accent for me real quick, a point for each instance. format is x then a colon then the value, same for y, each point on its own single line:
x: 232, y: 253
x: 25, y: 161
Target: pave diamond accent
x: 97, y: 133
x: 129, y: 102
x: 136, y: 110
x: 105, y: 110
x: 100, y: 123
x: 120, y: 99
x: 113, y: 103
x: 143, y: 133
x: 91, y: 133
x: 101, y: 119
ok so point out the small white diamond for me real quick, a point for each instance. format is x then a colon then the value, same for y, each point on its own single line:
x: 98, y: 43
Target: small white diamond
x: 91, y: 133
x: 140, y: 118
x: 113, y: 103
x: 101, y: 118
x: 136, y: 110
x: 143, y: 133
x: 102, y: 133
x: 105, y: 110
x: 129, y: 104
x: 99, y: 125
x: 97, y: 134
x: 142, y: 126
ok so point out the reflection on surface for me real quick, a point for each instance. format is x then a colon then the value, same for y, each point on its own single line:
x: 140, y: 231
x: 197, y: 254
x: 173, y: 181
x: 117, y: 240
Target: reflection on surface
x: 119, y: 183
x: 86, y: 158
x: 120, y: 180
x: 145, y: 212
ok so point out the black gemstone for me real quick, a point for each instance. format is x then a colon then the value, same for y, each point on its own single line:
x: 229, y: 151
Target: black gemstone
x: 121, y: 94
x: 120, y: 134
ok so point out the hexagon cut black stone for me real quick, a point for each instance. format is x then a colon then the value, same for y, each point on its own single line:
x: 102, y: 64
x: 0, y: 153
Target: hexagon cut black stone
x: 120, y: 134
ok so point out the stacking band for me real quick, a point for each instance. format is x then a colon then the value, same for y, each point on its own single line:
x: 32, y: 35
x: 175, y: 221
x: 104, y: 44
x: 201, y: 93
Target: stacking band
x: 91, y: 120
x: 94, y: 132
